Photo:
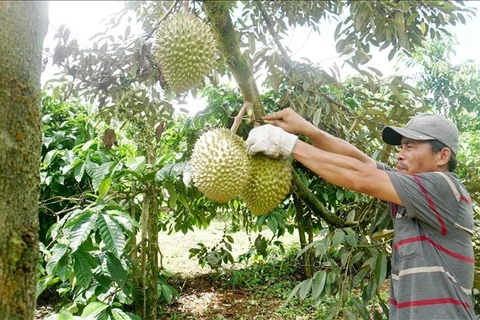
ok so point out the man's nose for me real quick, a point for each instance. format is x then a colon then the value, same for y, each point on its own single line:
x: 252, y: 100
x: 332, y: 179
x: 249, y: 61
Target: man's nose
x: 400, y: 155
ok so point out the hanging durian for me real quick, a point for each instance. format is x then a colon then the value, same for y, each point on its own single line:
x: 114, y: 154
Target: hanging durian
x: 185, y: 50
x: 220, y: 165
x: 269, y: 183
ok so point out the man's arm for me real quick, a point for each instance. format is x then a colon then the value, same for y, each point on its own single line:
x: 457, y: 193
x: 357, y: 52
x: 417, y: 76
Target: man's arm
x: 348, y: 172
x: 332, y: 144
x: 291, y: 122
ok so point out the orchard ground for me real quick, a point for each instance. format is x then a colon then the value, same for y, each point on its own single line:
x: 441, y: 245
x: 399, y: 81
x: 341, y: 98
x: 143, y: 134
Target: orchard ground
x: 255, y: 290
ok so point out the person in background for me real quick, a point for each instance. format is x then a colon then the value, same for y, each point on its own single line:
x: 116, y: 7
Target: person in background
x: 432, y: 256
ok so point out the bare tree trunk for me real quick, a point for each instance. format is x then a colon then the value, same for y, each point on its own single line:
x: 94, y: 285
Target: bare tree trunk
x: 23, y: 26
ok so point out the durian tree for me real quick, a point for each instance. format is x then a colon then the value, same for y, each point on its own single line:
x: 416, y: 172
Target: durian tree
x: 135, y: 79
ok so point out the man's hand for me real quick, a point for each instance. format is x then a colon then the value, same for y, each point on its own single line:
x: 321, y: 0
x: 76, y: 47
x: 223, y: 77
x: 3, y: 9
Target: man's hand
x: 271, y: 141
x: 288, y: 120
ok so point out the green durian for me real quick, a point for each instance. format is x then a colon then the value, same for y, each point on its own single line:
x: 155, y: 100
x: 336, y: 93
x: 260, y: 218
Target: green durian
x: 269, y: 183
x: 220, y: 165
x: 185, y: 50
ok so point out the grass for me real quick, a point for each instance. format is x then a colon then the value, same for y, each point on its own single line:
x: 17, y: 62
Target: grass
x: 175, y: 247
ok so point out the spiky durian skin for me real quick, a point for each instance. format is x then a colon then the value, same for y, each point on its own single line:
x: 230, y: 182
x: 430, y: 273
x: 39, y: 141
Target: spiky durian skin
x: 220, y: 165
x: 270, y: 182
x: 185, y: 50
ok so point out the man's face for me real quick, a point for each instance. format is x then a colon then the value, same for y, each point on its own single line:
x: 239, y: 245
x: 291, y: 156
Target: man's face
x: 416, y: 157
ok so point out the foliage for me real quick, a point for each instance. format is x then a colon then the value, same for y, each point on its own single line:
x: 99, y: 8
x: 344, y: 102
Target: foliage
x: 66, y: 126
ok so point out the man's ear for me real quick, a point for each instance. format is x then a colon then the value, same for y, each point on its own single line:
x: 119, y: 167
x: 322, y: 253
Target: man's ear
x: 444, y: 156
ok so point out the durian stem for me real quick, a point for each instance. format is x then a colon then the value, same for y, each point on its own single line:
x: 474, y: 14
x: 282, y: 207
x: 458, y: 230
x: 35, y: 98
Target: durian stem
x: 185, y: 5
x: 314, y: 204
x: 239, y: 117
x: 158, y: 23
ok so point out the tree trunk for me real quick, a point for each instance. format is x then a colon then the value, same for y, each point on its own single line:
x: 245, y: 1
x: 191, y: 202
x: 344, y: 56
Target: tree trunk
x: 23, y: 26
x: 149, y: 248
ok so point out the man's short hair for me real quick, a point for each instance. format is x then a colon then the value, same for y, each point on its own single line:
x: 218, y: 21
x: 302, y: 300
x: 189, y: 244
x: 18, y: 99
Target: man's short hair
x: 437, y: 146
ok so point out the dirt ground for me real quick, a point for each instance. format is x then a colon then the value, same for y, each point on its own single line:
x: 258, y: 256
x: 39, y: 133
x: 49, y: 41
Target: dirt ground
x: 201, y: 298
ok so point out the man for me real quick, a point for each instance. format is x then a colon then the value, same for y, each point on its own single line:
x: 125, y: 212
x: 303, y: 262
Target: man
x: 432, y: 256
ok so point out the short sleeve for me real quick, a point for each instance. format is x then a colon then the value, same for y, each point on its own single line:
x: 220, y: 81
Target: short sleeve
x: 383, y: 166
x: 428, y: 198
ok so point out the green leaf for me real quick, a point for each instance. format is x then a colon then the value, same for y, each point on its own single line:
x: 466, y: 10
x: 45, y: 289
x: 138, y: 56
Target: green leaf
x: 357, y: 256
x: 338, y: 237
x: 81, y: 230
x: 380, y: 269
x: 320, y: 250
x: 171, y: 170
x: 124, y: 220
x: 93, y: 309
x: 79, y: 170
x: 361, y: 308
x: 261, y: 245
x: 424, y: 28
x: 64, y: 268
x: 99, y: 173
x: 59, y: 250
x: 351, y: 240
x: 339, y: 195
x: 317, y: 117
x: 114, y: 266
x: 82, y: 269
x: 172, y: 193
x: 104, y: 186
x: 272, y: 223
x: 319, y: 280
x: 49, y: 157
x: 294, y: 292
x: 136, y: 164
x: 44, y: 283
x: 305, y: 288
x: 111, y: 234
x: 120, y: 315
x: 65, y: 315
x: 166, y: 292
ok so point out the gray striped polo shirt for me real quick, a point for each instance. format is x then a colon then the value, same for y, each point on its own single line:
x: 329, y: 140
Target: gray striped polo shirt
x: 432, y: 252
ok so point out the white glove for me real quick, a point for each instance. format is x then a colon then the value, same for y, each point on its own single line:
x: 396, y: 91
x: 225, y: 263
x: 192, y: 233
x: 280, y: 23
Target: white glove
x: 271, y: 141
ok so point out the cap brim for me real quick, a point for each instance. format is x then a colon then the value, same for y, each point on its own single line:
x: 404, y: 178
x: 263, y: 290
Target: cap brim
x: 393, y: 135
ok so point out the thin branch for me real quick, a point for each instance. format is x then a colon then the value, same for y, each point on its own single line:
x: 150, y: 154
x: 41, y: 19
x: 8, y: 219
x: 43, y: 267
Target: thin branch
x: 338, y: 104
x: 269, y: 22
x: 165, y: 16
x: 238, y: 119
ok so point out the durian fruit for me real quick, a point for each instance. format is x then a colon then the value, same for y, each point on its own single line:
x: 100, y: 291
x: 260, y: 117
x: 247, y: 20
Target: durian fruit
x: 185, y: 50
x: 220, y: 165
x: 270, y: 182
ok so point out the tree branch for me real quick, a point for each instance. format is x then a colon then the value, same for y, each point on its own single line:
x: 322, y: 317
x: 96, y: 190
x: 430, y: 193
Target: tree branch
x: 165, y: 16
x: 227, y: 40
x: 269, y: 22
x: 238, y: 119
x: 314, y: 204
